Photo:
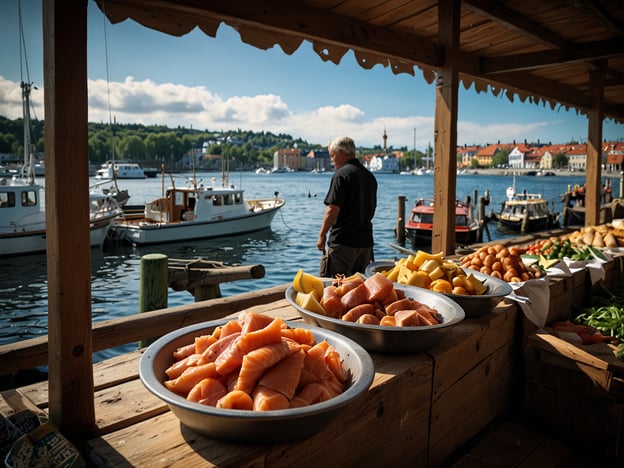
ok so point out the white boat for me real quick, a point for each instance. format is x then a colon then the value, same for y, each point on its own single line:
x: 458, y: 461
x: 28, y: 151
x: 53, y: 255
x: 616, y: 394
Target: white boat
x: 196, y: 212
x: 526, y: 212
x: 22, y: 217
x: 121, y: 170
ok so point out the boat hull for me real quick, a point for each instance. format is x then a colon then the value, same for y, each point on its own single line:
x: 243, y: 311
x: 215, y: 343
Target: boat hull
x: 422, y: 236
x: 532, y: 225
x: 34, y: 242
x: 145, y: 233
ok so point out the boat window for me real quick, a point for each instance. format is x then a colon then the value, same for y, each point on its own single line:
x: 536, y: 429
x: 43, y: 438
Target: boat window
x: 238, y: 199
x: 29, y: 198
x: 216, y: 200
x: 227, y: 199
x: 461, y: 220
x: 426, y: 218
x: 7, y: 199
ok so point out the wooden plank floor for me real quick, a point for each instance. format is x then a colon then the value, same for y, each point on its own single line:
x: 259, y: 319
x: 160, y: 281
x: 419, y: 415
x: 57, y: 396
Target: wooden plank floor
x: 512, y: 444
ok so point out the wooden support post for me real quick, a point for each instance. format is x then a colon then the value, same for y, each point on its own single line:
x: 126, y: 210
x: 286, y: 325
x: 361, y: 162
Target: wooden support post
x: 400, y: 226
x: 71, y: 405
x: 154, y: 286
x: 594, y: 143
x: 445, y: 130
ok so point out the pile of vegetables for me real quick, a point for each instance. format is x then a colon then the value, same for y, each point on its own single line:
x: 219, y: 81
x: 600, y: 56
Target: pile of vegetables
x: 606, y: 314
x: 556, y: 248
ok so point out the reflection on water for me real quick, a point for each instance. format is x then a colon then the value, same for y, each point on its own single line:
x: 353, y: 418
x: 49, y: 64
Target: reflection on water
x: 290, y: 244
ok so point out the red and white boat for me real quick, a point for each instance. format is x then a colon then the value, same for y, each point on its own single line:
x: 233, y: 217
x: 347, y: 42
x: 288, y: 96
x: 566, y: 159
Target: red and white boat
x: 420, y: 223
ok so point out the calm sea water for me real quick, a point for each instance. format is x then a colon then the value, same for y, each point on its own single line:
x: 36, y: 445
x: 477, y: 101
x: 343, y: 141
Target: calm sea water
x: 290, y: 244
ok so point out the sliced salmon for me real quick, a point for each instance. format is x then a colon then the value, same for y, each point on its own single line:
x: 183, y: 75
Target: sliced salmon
x: 334, y: 364
x: 346, y: 286
x: 267, y: 399
x: 356, y: 312
x: 184, y: 351
x: 310, y: 394
x: 176, y: 369
x: 191, y: 377
x: 302, y: 336
x: 252, y: 321
x: 331, y: 302
x: 368, y: 319
x: 284, y: 376
x: 235, y: 399
x: 207, y: 391
x: 378, y: 287
x: 271, y: 333
x: 203, y: 342
x: 259, y: 360
x: 355, y: 297
x: 212, y: 352
x: 401, y: 304
x: 230, y: 328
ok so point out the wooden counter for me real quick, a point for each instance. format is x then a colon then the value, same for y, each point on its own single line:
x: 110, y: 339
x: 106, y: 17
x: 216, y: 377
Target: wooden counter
x: 419, y: 409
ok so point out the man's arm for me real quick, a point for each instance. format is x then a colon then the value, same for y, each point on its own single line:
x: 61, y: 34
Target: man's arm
x: 331, y: 214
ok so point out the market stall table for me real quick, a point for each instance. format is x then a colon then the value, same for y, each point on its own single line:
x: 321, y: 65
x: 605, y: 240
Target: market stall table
x: 419, y: 409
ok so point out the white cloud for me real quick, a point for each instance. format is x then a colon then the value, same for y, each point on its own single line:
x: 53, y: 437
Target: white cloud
x: 175, y: 105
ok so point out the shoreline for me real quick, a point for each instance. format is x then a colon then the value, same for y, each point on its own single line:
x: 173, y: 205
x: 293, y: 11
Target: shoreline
x: 525, y: 172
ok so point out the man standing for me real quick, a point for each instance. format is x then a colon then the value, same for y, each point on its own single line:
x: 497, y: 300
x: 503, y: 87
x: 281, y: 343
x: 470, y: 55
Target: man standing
x: 351, y: 202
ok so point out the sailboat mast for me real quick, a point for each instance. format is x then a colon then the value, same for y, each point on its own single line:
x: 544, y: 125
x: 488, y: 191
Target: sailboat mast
x: 28, y: 169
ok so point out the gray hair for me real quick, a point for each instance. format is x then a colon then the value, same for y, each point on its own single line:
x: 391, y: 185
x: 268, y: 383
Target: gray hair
x: 345, y: 144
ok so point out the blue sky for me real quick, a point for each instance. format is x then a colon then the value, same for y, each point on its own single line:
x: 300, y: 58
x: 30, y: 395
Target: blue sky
x: 221, y: 84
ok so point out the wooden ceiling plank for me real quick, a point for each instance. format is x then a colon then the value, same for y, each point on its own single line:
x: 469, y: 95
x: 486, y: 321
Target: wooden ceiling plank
x: 594, y: 8
x: 518, y: 22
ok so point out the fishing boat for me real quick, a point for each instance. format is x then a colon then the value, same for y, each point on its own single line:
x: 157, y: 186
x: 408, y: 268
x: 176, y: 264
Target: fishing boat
x: 122, y: 170
x: 22, y: 217
x: 196, y: 212
x: 526, y: 212
x: 419, y: 226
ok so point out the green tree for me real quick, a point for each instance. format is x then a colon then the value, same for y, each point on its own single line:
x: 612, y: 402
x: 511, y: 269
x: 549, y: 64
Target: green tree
x: 500, y: 158
x: 560, y: 161
x: 131, y: 147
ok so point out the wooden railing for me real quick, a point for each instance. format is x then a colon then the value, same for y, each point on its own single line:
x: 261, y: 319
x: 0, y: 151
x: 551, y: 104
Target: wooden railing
x: 108, y: 334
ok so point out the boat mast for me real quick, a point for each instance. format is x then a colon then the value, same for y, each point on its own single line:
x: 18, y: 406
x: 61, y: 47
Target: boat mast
x: 28, y: 169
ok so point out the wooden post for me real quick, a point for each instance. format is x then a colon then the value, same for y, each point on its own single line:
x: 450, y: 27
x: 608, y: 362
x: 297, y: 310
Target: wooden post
x: 70, y: 366
x: 566, y: 208
x: 445, y: 129
x: 594, y: 143
x: 154, y: 286
x: 400, y: 226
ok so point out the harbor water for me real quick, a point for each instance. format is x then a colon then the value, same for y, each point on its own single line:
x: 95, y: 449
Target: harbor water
x: 290, y: 244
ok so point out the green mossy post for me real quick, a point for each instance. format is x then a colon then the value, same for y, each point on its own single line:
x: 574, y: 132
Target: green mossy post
x: 154, y: 286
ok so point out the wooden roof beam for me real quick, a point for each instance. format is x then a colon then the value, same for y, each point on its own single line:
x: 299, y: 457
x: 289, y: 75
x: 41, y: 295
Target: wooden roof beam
x: 295, y: 18
x: 581, y: 52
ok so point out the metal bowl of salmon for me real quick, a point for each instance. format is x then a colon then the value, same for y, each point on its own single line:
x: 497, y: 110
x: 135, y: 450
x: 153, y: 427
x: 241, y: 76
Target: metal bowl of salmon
x: 473, y: 305
x: 249, y: 425
x: 391, y: 339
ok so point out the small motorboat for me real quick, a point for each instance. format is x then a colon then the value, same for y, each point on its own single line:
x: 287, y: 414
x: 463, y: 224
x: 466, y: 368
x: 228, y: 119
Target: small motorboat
x: 196, y: 212
x: 419, y: 225
x: 526, y: 212
x: 123, y: 170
